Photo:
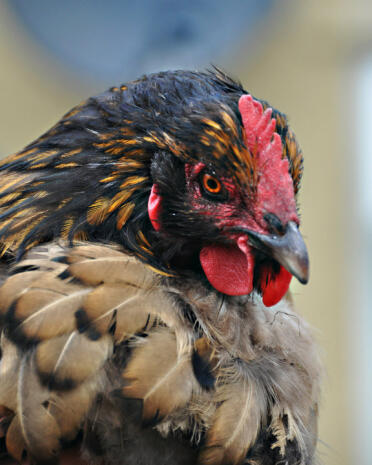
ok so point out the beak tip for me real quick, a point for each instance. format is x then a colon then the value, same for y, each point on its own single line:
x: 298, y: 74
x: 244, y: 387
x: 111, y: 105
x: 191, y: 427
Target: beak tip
x: 304, y: 279
x: 301, y: 269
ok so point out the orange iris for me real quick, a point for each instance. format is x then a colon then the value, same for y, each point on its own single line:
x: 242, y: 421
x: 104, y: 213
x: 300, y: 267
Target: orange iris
x: 211, y: 184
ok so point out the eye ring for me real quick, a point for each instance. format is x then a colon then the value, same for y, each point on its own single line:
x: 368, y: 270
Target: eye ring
x: 211, y: 184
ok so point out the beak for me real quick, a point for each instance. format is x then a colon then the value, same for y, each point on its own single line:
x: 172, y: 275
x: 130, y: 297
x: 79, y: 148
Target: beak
x: 289, y: 250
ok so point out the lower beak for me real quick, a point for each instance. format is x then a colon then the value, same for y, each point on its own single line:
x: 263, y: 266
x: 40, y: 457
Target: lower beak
x: 289, y: 250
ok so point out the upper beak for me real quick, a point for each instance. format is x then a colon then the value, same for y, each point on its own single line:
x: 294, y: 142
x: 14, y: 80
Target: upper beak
x: 289, y: 250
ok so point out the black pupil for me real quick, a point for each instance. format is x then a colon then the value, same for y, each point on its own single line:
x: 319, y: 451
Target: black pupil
x: 212, y: 184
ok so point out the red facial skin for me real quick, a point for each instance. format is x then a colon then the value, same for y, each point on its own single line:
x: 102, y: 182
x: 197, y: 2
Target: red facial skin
x: 230, y: 268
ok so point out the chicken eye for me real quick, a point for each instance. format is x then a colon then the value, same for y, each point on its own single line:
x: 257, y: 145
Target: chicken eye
x: 211, y: 184
x: 212, y: 187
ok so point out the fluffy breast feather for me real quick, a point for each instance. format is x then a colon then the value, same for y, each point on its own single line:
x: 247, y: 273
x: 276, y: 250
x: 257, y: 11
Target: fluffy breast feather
x: 105, y: 333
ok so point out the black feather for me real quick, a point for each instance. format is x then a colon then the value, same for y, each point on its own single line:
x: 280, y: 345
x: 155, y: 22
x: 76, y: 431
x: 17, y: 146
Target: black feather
x: 202, y: 371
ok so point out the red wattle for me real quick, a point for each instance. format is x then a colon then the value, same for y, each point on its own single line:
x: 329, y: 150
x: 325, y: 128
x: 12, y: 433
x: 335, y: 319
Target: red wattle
x: 274, y: 288
x: 228, y: 269
x: 154, y: 207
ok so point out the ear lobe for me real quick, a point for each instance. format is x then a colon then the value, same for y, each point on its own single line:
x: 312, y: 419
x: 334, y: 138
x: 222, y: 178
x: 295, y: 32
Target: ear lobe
x: 154, y: 207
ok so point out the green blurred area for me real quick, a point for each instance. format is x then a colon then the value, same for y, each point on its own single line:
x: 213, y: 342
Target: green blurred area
x: 304, y: 65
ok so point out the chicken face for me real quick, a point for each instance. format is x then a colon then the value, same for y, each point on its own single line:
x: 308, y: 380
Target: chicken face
x: 260, y: 246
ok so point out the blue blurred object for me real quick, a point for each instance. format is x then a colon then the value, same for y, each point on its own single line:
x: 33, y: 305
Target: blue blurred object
x: 116, y: 40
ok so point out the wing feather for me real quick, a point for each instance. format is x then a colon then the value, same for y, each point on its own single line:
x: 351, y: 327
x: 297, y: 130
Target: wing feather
x: 72, y: 358
x: 46, y: 312
x: 236, y: 423
x: 159, y: 375
x: 129, y: 308
x: 9, y: 369
x: 15, y: 444
x: 97, y: 264
x: 39, y: 428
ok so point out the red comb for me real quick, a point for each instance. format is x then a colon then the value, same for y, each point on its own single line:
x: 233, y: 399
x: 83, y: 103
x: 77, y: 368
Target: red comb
x: 275, y: 193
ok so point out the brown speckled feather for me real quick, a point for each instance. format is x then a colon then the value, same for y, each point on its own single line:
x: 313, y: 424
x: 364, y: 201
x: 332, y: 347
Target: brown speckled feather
x: 160, y: 375
x: 67, y: 368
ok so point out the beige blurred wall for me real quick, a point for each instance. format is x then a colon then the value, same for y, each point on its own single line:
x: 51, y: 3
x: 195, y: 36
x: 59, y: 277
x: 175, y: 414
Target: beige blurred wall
x: 306, y: 51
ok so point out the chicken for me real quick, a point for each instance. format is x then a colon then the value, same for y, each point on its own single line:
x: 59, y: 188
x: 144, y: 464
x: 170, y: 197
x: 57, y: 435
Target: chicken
x: 148, y: 242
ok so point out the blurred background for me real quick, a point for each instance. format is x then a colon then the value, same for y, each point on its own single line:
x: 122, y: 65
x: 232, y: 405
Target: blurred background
x: 312, y: 60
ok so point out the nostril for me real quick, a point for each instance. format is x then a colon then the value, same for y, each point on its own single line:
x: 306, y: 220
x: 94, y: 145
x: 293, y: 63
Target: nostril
x: 275, y: 225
